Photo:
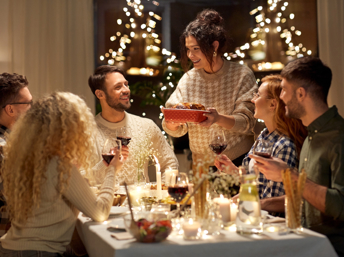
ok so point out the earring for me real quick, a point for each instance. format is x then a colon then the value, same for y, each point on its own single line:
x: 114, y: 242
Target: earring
x: 214, y: 54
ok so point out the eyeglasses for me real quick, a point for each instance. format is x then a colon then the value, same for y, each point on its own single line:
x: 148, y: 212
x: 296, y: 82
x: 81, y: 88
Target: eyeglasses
x: 30, y: 103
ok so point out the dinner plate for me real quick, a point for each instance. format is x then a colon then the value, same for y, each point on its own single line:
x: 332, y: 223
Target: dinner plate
x: 184, y: 115
x: 116, y: 224
x: 116, y: 210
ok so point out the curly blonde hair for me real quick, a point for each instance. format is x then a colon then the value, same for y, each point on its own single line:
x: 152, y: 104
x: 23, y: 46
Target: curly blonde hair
x: 291, y: 127
x: 60, y: 125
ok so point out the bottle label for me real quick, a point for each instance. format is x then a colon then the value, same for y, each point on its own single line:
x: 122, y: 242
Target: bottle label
x: 249, y: 212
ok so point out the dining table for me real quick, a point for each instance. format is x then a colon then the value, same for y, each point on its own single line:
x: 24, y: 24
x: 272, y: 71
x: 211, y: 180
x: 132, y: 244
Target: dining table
x: 98, y: 240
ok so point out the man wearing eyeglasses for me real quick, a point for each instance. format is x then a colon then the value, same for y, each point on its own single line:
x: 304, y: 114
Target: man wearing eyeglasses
x: 15, y: 99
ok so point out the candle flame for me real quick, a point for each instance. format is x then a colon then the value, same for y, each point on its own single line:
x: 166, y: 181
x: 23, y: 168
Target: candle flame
x: 156, y: 163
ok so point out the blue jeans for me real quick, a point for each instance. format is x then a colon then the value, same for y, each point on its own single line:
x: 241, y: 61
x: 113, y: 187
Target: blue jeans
x: 26, y: 253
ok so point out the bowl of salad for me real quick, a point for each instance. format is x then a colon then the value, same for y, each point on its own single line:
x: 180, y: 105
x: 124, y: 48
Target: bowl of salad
x: 153, y: 226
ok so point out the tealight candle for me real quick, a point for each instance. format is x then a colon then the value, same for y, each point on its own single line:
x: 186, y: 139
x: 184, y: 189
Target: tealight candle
x: 225, y: 208
x: 191, y: 228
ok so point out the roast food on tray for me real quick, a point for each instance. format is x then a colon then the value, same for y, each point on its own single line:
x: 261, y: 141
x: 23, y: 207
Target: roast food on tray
x: 189, y: 106
x: 185, y: 112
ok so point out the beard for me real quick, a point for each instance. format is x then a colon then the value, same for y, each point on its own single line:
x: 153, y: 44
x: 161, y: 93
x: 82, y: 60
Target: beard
x: 115, y: 104
x: 294, y: 109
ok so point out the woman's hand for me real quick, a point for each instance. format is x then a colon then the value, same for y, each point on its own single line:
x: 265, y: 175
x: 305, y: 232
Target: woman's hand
x: 224, y: 164
x: 213, y: 117
x: 116, y: 162
x: 170, y: 124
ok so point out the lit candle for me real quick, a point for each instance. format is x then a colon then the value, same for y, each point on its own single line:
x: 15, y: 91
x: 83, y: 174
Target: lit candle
x: 158, y: 179
x: 234, y: 210
x: 168, y: 175
x: 191, y: 229
x: 225, y: 208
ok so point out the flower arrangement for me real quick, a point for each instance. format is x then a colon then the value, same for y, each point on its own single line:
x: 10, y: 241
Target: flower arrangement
x: 145, y: 153
x: 224, y: 184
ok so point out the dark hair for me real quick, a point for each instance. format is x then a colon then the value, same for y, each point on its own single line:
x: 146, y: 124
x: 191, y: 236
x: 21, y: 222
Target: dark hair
x: 311, y: 74
x: 10, y: 85
x: 96, y: 81
x: 206, y: 28
x: 291, y: 127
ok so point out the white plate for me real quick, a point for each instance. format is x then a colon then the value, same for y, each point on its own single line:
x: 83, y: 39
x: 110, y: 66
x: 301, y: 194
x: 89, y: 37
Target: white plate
x: 118, y: 210
x: 116, y: 224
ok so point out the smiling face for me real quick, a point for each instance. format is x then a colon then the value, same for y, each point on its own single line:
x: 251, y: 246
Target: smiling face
x: 262, y: 103
x: 293, y: 109
x: 117, y: 92
x: 195, y: 54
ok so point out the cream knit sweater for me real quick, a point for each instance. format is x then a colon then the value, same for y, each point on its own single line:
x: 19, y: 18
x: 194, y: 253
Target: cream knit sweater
x: 230, y: 91
x: 142, y: 129
x: 50, y: 227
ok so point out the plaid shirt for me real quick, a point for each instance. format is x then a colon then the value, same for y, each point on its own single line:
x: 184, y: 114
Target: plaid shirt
x: 4, y: 218
x: 284, y: 149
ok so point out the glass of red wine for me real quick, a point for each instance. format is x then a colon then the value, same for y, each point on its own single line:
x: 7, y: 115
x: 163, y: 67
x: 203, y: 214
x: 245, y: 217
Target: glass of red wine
x: 217, y: 142
x: 178, y: 187
x: 263, y: 148
x: 108, y: 151
x: 124, y: 134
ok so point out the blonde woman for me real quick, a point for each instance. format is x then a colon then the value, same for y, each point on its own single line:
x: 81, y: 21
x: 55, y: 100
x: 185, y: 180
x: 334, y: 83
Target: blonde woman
x: 42, y: 185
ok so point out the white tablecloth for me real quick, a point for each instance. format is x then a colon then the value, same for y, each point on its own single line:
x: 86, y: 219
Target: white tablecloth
x: 99, y: 243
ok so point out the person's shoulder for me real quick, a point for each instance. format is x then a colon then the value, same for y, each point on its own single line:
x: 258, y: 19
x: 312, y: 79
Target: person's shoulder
x: 237, y: 66
x: 190, y: 74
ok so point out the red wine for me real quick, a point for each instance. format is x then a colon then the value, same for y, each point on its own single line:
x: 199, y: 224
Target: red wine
x: 265, y: 155
x: 124, y: 140
x: 108, y: 157
x: 217, y: 148
x: 178, y: 192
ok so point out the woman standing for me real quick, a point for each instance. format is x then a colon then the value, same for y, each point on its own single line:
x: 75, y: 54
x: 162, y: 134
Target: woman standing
x: 224, y: 88
x: 43, y: 187
x: 286, y: 135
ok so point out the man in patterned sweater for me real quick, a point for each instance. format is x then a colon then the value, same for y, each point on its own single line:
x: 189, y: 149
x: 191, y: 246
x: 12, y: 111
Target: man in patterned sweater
x: 15, y: 99
x: 111, y: 88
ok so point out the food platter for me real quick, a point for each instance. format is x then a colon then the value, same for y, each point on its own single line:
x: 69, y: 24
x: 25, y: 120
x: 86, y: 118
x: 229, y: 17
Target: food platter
x: 184, y: 115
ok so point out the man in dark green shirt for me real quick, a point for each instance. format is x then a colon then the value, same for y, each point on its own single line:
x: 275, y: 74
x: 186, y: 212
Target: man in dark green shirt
x: 305, y: 84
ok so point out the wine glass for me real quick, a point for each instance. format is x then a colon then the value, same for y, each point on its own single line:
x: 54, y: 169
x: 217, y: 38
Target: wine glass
x: 108, y: 151
x: 217, y: 142
x: 124, y: 134
x: 178, y: 187
x: 263, y: 148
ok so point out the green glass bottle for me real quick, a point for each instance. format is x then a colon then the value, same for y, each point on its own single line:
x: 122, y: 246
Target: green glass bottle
x: 248, y: 220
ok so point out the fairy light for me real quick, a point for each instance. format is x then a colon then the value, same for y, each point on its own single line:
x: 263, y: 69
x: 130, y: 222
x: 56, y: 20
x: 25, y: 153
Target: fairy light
x: 125, y: 9
x: 144, y: 35
x: 127, y: 13
x: 132, y: 34
x: 291, y: 16
x: 279, y: 29
x: 278, y: 20
x: 283, y: 8
x: 267, y: 30
x: 133, y: 25
x: 119, y: 21
x: 149, y: 29
x: 113, y: 38
x: 151, y: 13
x: 101, y: 58
x: 268, y: 21
x: 143, y: 26
x: 107, y: 55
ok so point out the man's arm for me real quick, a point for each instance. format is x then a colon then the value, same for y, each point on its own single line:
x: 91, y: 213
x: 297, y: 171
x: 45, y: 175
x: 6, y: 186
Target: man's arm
x: 271, y: 167
x: 273, y: 204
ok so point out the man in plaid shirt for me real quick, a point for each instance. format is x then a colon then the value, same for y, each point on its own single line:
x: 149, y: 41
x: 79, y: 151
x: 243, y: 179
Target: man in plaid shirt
x: 15, y: 99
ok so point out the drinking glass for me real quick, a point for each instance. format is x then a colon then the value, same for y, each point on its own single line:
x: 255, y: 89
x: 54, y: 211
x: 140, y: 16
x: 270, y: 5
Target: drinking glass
x: 263, y: 148
x: 217, y: 142
x: 178, y: 187
x: 108, y: 151
x: 124, y: 134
